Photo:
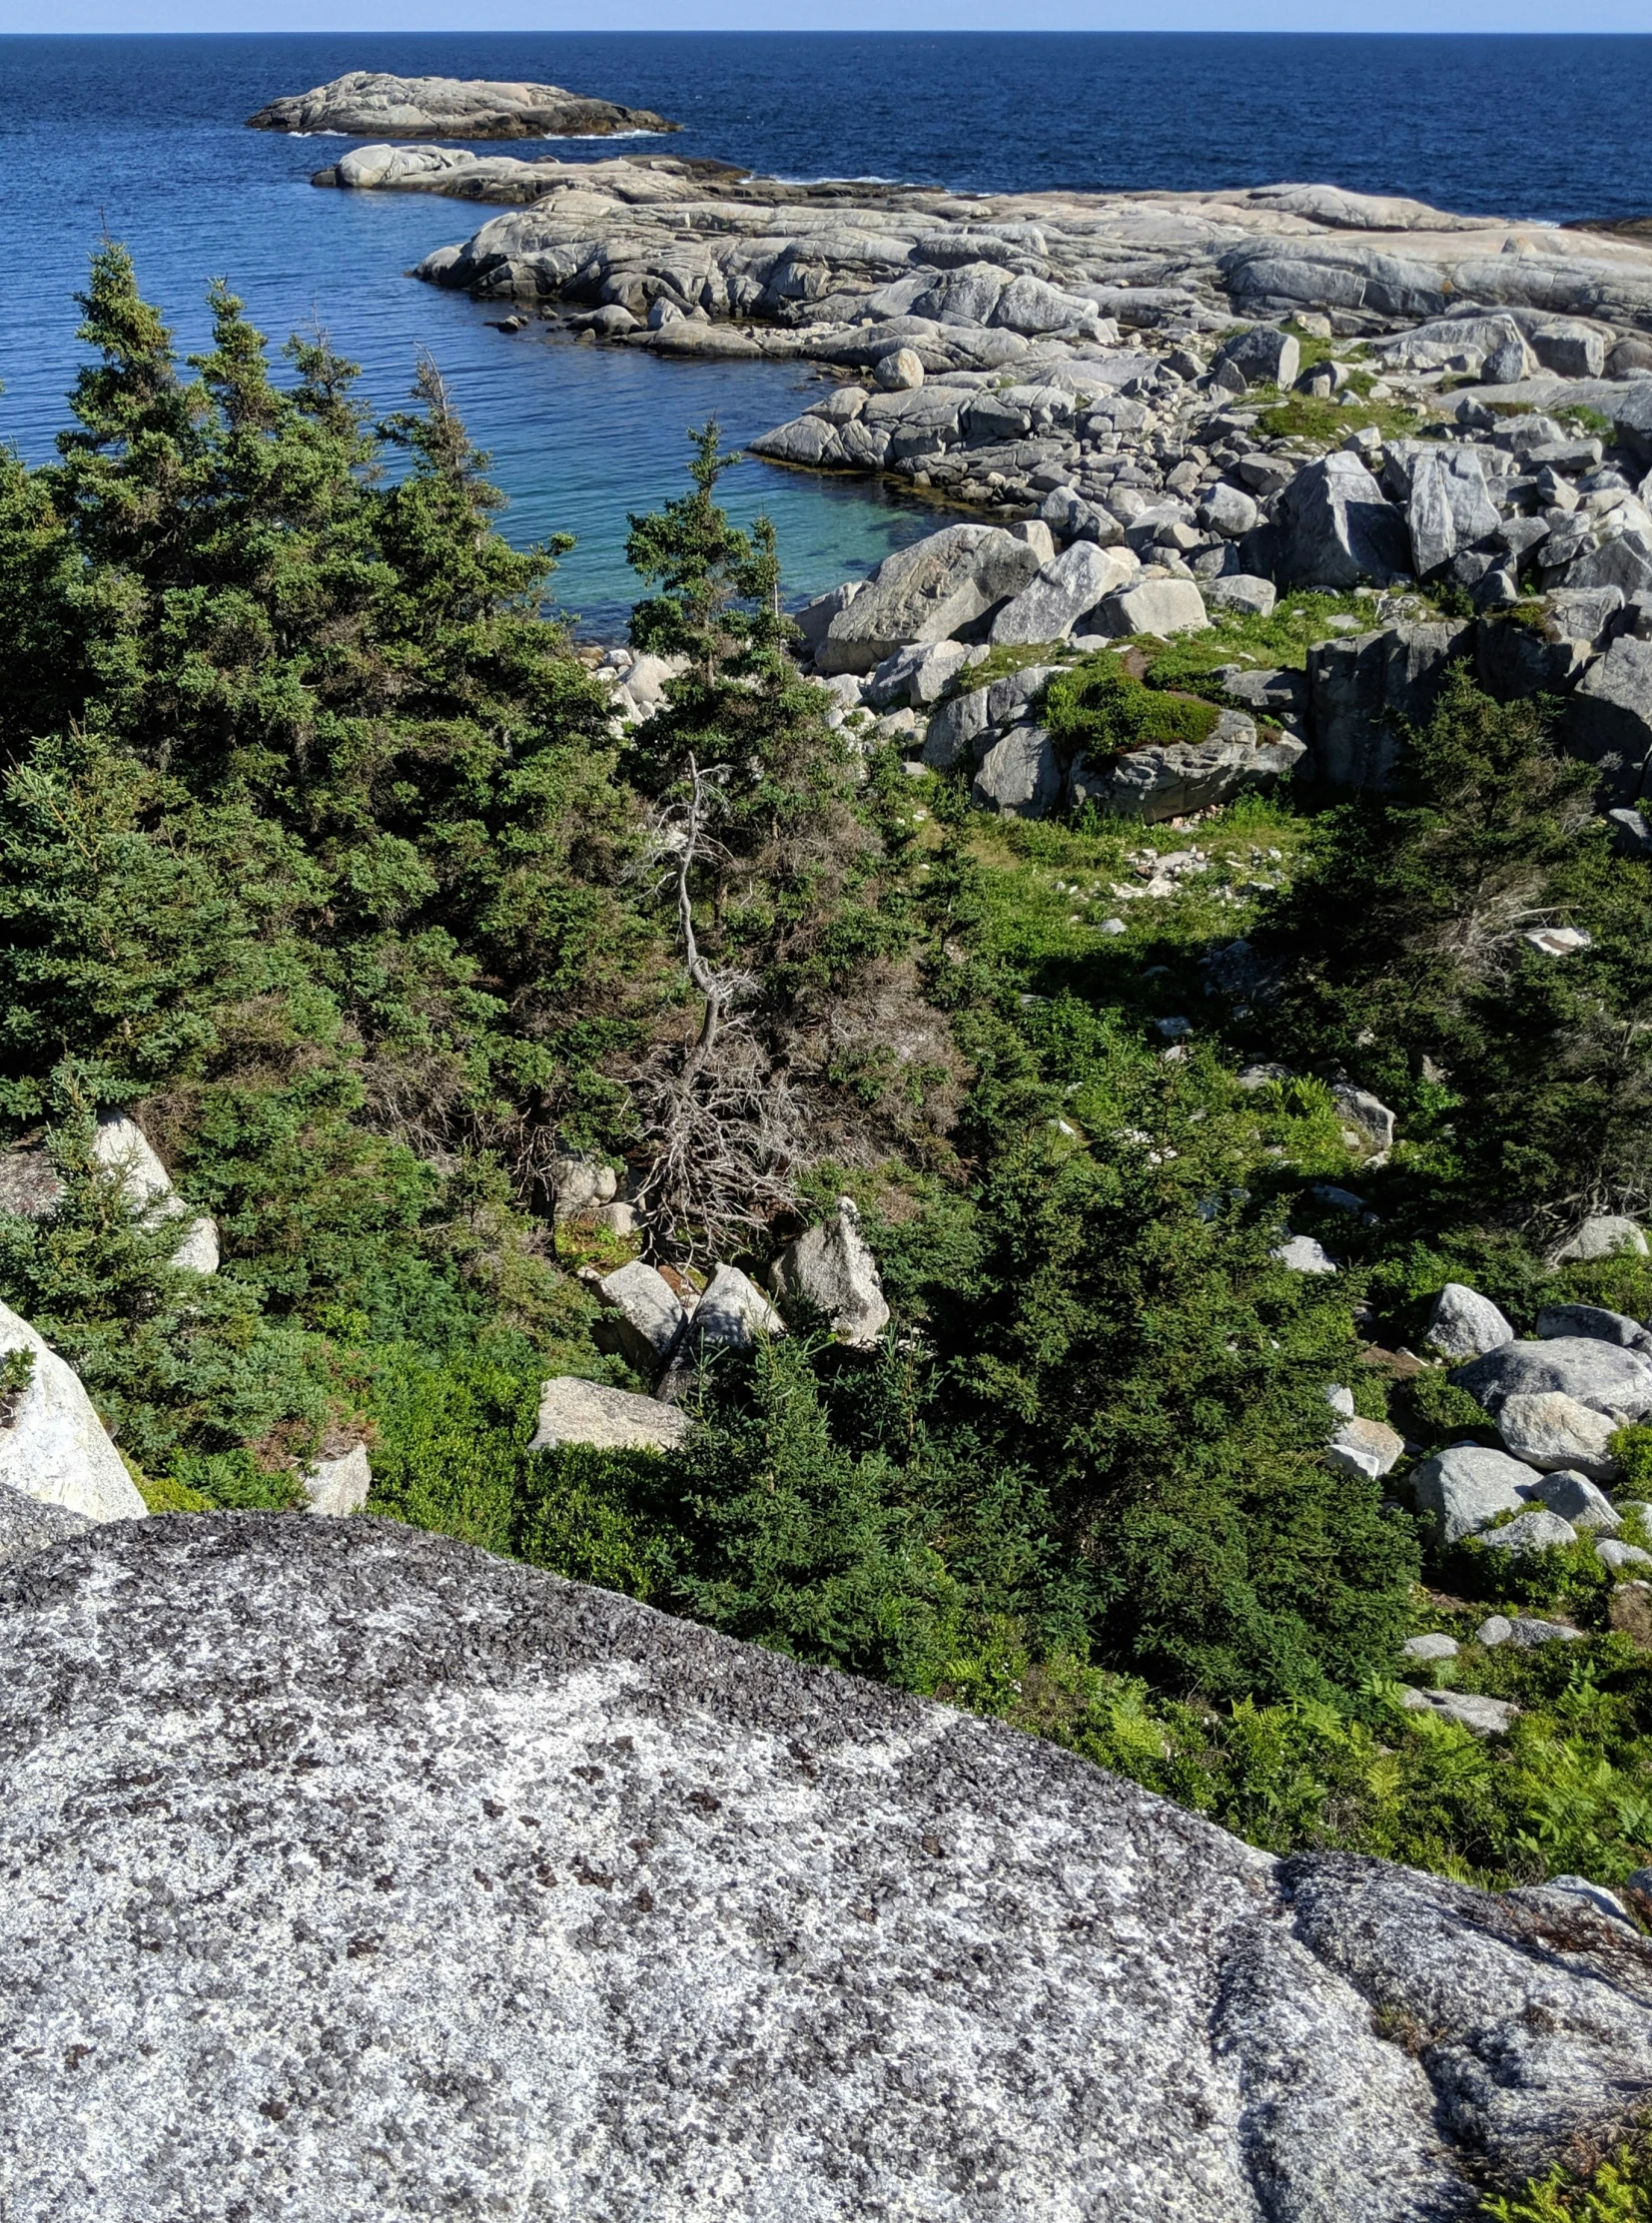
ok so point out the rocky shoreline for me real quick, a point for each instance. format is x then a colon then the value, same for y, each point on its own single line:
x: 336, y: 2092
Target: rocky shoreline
x: 1160, y: 410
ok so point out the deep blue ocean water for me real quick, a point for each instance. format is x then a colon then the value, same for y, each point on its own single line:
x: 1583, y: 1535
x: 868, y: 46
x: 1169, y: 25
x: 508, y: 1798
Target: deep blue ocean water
x: 145, y: 136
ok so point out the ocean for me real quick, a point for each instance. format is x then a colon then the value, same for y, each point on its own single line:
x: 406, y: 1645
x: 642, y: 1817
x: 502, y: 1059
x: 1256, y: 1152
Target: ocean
x: 144, y: 139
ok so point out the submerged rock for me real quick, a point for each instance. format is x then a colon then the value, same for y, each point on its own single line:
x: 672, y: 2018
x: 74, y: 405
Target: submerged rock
x: 577, y: 1908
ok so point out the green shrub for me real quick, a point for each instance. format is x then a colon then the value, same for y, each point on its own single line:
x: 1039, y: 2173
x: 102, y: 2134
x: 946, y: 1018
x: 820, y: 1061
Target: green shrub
x: 1097, y: 707
x: 1614, y: 2190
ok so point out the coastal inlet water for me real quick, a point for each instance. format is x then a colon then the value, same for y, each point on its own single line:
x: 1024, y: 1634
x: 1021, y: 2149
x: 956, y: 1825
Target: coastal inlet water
x: 144, y: 138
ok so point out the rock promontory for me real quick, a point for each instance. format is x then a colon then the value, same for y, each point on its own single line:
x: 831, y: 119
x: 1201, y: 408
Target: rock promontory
x: 364, y: 103
x: 354, y: 1874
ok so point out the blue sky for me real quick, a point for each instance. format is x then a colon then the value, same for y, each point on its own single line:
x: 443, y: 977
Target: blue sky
x: 825, y: 15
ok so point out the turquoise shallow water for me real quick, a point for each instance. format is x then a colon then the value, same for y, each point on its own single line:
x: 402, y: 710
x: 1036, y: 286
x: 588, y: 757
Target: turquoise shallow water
x: 145, y: 136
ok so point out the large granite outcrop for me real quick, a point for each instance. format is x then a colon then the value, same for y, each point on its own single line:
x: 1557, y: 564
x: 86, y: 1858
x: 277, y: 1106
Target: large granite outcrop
x: 366, y: 103
x: 354, y: 1874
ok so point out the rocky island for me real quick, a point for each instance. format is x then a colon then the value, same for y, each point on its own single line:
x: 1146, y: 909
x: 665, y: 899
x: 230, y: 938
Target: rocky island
x: 365, y: 101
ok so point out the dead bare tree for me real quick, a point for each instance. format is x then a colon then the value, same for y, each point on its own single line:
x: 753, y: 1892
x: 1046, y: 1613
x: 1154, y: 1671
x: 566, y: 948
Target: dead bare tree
x: 719, y: 1113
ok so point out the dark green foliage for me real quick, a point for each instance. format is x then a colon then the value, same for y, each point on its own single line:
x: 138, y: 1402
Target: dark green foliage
x: 1101, y: 708
x: 1523, y: 1077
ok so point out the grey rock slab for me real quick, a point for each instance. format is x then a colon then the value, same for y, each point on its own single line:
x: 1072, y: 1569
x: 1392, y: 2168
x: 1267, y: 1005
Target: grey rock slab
x: 954, y: 730
x: 1065, y: 590
x: 1576, y: 1498
x: 1019, y: 776
x: 805, y: 440
x: 53, y: 1446
x: 1338, y: 529
x: 1368, y: 688
x: 927, y: 592
x: 1609, y: 717
x: 814, y: 619
x: 831, y: 1267
x: 1438, y: 1647
x: 27, y: 1526
x: 1530, y: 1533
x: 1615, y: 1555
x: 1262, y: 356
x: 524, y: 1908
x: 1596, y: 1321
x: 338, y: 1486
x: 1161, y: 607
x: 1464, y: 1324
x: 1599, y: 1376
x: 1449, y: 507
x: 121, y: 1147
x: 648, y: 1315
x: 1242, y: 591
x: 1481, y: 1716
x: 1365, y: 1117
x: 1367, y: 1447
x: 1555, y: 1433
x: 1463, y: 1489
x: 1158, y: 784
x: 919, y: 674
x: 732, y: 1313
x: 1304, y: 1254
x: 1229, y: 510
x: 1570, y: 348
x: 1527, y: 1631
x: 1606, y: 1235
x: 574, y: 1411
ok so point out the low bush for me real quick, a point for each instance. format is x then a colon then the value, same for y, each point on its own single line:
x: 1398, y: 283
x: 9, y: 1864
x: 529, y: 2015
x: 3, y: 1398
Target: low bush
x: 1097, y: 707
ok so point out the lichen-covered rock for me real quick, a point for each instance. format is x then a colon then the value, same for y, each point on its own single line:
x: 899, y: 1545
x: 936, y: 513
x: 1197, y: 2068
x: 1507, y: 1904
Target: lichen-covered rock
x: 1466, y: 1487
x: 648, y: 1315
x: 832, y: 1268
x: 508, y: 1897
x: 1603, y: 1376
x: 53, y: 1446
x: 1464, y: 1324
x: 338, y: 1486
x: 572, y: 1410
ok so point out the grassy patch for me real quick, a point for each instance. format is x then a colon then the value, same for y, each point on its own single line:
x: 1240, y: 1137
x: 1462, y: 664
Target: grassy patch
x: 1299, y: 416
x: 1009, y: 657
x: 1099, y: 707
x: 1282, y: 639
